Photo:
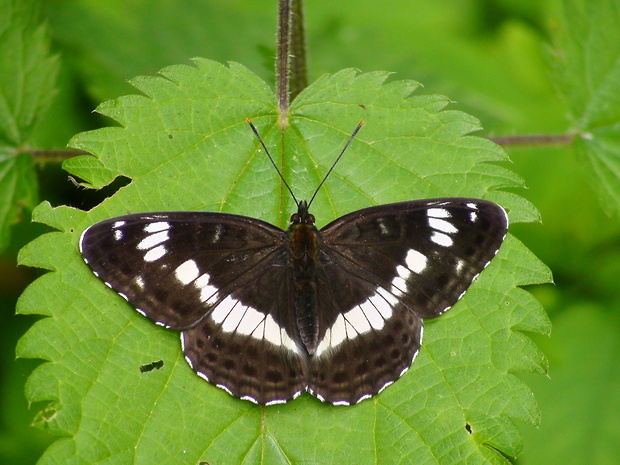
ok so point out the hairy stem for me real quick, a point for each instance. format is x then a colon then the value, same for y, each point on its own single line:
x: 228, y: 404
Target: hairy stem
x: 291, y: 70
x: 283, y: 59
x: 534, y: 140
x: 299, y: 71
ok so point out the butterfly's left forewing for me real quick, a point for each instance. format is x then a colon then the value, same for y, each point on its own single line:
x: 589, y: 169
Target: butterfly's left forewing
x: 220, y: 279
x: 402, y: 262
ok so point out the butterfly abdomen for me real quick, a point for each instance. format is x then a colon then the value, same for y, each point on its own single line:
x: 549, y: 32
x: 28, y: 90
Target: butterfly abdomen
x: 304, y: 245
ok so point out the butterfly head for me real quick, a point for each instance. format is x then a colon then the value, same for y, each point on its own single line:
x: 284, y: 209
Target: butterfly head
x: 303, y: 216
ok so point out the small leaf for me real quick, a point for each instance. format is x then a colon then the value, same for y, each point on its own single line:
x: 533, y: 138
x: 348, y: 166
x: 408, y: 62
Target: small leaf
x: 18, y: 190
x: 185, y: 145
x: 586, y: 51
x: 27, y: 77
x: 589, y: 382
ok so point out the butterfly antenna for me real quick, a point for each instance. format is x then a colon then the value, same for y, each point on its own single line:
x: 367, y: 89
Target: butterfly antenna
x: 351, y: 137
x: 271, y: 159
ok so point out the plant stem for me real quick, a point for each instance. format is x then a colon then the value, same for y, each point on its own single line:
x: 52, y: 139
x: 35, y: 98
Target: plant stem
x: 534, y: 140
x: 283, y: 59
x: 291, y: 70
x: 299, y: 70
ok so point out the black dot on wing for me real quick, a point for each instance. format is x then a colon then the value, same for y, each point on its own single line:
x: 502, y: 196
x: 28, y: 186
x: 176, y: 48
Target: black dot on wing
x: 339, y: 377
x: 274, y: 376
x: 228, y: 364
x: 361, y: 368
x: 211, y: 356
x: 395, y: 354
x: 442, y: 280
x: 161, y: 295
x: 249, y: 369
x: 388, y: 339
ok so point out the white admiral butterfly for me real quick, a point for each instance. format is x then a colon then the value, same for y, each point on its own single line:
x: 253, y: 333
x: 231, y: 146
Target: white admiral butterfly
x: 268, y: 314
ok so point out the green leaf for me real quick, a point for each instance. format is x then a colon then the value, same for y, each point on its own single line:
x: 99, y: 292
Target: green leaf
x: 186, y: 146
x: 587, y: 62
x: 18, y: 190
x: 105, y: 62
x: 585, y: 375
x: 27, y: 76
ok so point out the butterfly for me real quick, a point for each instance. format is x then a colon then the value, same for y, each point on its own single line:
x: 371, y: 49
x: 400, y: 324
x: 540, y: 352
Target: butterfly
x: 267, y: 314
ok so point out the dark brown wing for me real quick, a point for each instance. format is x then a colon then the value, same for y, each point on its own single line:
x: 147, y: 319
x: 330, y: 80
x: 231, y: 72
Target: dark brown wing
x: 382, y: 270
x: 222, y: 280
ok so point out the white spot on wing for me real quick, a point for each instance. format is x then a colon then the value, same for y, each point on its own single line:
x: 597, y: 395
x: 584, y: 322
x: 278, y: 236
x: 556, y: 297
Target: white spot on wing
x: 399, y: 286
x: 236, y: 317
x: 275, y: 401
x: 338, y: 332
x: 118, y: 234
x: 187, y: 272
x: 250, y: 321
x: 442, y: 239
x: 222, y: 310
x: 442, y: 225
x: 367, y: 316
x: 383, y: 228
x: 157, y: 227
x: 155, y: 254
x: 221, y: 386
x: 357, y: 319
x: 381, y: 305
x: 118, y: 224
x: 208, y: 293
x: 341, y: 402
x: 375, y: 319
x: 388, y: 383
x: 139, y: 282
x: 218, y: 233
x: 153, y: 240
x: 416, y: 261
x: 438, y: 212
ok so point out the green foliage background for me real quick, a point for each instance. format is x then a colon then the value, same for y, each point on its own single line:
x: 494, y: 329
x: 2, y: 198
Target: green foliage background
x: 517, y: 66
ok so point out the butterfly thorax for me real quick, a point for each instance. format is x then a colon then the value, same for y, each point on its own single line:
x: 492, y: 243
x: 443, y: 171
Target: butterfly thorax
x: 304, y: 245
